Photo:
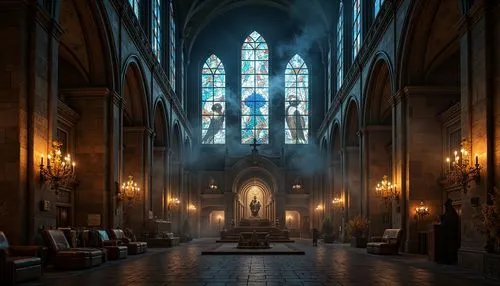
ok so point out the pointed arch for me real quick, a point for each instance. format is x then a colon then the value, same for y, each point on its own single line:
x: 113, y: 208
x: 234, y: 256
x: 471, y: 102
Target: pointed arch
x: 213, y: 101
x: 351, y: 124
x: 160, y: 124
x: 296, y: 101
x: 135, y: 94
x: 335, y: 142
x: 254, y: 90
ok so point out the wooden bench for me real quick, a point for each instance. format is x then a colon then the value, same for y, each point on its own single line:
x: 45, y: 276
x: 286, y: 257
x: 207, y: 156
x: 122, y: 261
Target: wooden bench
x: 388, y: 243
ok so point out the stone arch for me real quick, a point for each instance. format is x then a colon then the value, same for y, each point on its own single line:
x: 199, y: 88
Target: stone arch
x: 351, y: 124
x: 135, y: 94
x: 87, y: 53
x: 177, y: 142
x: 160, y: 124
x: 378, y: 92
x: 429, y: 40
x: 255, y: 186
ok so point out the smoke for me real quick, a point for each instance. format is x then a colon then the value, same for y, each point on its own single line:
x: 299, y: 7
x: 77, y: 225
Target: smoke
x: 311, y: 28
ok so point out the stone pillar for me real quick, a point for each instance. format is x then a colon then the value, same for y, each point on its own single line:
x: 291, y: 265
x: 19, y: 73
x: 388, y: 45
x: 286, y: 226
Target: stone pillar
x: 376, y: 157
x: 352, y: 177
x: 421, y: 146
x: 136, y: 163
x: 159, y: 181
x: 28, y: 104
x: 97, y: 162
x: 479, y: 37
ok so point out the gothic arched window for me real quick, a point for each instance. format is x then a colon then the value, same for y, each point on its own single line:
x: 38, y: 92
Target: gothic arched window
x: 156, y: 29
x: 254, y: 90
x: 340, y: 46
x: 134, y: 4
x: 213, y: 93
x: 377, y: 5
x: 356, y: 27
x: 171, y: 46
x: 296, y: 101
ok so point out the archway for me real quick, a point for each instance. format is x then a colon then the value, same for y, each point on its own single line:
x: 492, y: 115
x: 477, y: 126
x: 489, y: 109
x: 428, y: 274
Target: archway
x: 256, y: 188
x: 336, y: 180
x: 293, y: 222
x: 159, y: 164
x: 377, y: 142
x: 431, y: 112
x: 83, y: 122
x: 137, y: 138
x: 352, y: 170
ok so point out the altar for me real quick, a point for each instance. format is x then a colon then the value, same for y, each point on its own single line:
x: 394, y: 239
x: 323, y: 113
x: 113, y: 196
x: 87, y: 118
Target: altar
x: 255, y: 225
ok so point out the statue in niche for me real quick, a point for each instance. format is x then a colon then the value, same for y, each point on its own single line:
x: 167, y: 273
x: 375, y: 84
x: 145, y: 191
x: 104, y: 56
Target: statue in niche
x: 255, y: 207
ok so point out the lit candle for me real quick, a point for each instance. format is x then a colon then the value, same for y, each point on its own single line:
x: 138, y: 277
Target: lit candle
x: 73, y: 167
x: 41, y: 163
x: 477, y: 162
x: 48, y: 160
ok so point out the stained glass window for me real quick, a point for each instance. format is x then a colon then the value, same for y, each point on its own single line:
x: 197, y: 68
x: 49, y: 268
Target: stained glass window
x: 254, y: 90
x: 172, y: 47
x: 135, y: 6
x: 377, y: 5
x: 340, y: 47
x: 213, y: 93
x: 156, y: 27
x: 296, y: 101
x: 356, y: 27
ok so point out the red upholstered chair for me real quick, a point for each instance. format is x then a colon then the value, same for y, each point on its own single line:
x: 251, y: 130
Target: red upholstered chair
x: 115, y: 249
x: 18, y: 263
x: 134, y: 247
x: 65, y: 257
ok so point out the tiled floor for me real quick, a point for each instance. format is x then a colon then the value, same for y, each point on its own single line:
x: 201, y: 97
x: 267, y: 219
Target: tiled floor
x: 322, y: 265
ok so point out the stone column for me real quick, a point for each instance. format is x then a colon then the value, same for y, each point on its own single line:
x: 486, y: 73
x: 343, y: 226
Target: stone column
x: 136, y: 163
x: 480, y: 97
x: 28, y: 103
x: 97, y: 162
x: 376, y: 139
x: 352, y: 177
x: 421, y: 146
x: 159, y: 181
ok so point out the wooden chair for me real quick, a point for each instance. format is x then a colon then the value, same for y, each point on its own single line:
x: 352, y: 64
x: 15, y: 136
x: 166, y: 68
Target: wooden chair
x: 388, y: 243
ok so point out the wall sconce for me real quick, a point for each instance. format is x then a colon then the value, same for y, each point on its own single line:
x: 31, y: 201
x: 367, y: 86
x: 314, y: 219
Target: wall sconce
x: 319, y: 208
x: 386, y: 191
x: 338, y: 202
x: 212, y: 185
x: 297, y: 186
x: 460, y: 170
x: 173, y: 202
x: 191, y: 207
x: 422, y: 210
x: 59, y: 170
x: 129, y: 190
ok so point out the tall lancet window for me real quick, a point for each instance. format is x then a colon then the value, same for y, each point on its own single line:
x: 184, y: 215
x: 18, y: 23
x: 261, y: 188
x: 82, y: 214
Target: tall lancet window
x: 356, y: 27
x: 135, y: 6
x: 296, y: 101
x: 254, y: 90
x: 213, y: 93
x: 172, y: 49
x: 156, y: 29
x: 340, y: 47
x: 376, y: 6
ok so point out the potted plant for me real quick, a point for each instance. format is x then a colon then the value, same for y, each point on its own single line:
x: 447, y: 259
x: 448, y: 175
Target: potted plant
x: 327, y: 230
x: 490, y: 222
x: 357, y: 228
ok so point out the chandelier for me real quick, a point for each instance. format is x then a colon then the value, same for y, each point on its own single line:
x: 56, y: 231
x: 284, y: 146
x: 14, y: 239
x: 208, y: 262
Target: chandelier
x: 421, y: 210
x: 212, y: 185
x: 59, y: 170
x: 173, y: 202
x: 297, y: 186
x: 386, y: 191
x: 129, y: 190
x: 460, y: 171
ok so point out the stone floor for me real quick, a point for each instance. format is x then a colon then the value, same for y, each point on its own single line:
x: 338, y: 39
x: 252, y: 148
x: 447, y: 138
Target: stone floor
x: 323, y: 265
